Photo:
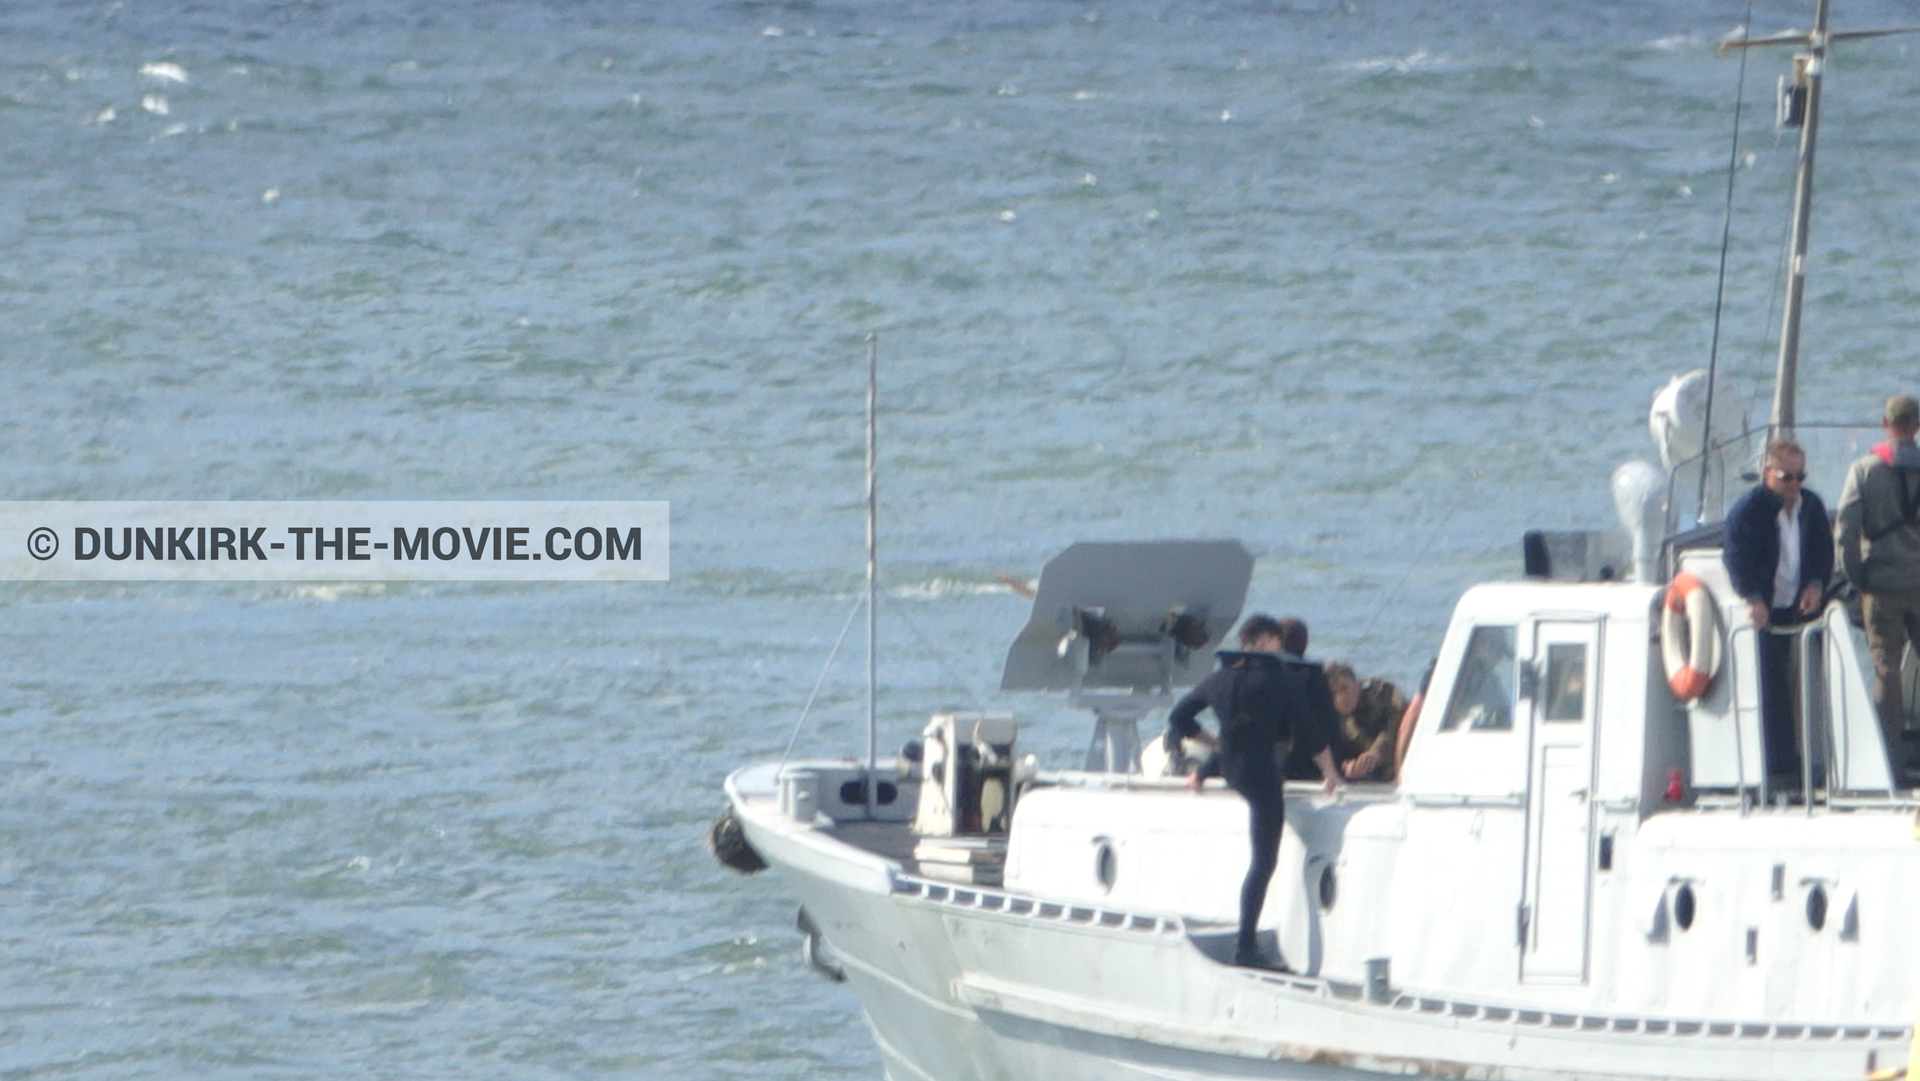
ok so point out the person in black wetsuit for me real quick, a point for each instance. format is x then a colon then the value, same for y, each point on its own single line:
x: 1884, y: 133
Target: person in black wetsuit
x: 1265, y: 698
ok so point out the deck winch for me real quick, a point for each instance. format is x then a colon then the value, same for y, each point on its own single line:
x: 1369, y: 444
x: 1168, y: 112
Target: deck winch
x: 966, y: 774
x: 967, y: 789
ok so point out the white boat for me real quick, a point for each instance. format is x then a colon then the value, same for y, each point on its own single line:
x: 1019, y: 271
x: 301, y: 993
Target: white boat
x: 1579, y: 874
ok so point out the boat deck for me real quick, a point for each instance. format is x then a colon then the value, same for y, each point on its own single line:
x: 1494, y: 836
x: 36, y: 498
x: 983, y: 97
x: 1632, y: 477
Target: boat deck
x: 888, y: 840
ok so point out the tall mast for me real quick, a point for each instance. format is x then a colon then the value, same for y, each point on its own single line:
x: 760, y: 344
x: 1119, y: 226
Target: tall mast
x: 1808, y: 68
x: 1800, y: 106
x: 873, y: 562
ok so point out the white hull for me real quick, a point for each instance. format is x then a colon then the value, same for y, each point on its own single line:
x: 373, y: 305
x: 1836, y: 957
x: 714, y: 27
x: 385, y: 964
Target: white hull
x: 969, y: 983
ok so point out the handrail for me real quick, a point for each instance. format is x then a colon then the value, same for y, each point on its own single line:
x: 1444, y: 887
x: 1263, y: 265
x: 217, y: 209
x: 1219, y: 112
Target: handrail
x: 1752, y: 459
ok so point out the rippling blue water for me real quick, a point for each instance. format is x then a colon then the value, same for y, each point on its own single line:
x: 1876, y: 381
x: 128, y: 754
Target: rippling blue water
x: 1372, y: 286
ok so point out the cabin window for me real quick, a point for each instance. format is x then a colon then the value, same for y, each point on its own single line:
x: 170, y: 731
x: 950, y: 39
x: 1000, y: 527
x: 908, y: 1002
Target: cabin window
x: 1483, y: 691
x: 1566, y: 682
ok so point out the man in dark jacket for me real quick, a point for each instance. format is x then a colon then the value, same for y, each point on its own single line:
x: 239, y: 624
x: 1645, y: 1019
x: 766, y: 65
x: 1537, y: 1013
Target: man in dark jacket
x: 1779, y: 552
x: 1264, y: 701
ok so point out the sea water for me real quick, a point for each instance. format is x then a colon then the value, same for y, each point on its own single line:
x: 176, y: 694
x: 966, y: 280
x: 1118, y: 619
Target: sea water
x: 1372, y: 287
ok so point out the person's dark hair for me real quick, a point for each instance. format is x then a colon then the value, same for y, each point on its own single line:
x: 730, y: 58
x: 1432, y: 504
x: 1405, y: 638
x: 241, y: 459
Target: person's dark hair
x: 1337, y: 672
x: 1293, y: 636
x: 1258, y: 626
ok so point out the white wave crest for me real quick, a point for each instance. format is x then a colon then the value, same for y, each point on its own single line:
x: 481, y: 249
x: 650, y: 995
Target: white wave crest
x: 1417, y: 60
x: 937, y: 588
x: 165, y: 71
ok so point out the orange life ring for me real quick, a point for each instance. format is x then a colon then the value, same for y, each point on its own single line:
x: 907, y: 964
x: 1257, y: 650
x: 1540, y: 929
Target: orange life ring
x: 1689, y: 636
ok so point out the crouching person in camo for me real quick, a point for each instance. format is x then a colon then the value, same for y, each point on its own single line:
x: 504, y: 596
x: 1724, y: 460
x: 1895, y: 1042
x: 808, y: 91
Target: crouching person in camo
x: 1369, y: 721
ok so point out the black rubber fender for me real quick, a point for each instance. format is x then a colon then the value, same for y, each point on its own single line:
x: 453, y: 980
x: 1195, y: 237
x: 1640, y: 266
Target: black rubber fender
x: 728, y: 843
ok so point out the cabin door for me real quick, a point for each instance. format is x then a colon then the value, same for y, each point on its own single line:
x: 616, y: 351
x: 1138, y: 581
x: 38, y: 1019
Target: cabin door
x: 1564, y: 686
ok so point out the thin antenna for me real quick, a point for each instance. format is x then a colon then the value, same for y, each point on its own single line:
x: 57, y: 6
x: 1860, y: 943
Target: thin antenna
x: 873, y: 562
x: 1720, y: 288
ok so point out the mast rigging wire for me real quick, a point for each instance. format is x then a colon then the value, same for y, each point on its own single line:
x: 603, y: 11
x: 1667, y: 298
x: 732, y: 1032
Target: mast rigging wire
x: 939, y: 655
x: 859, y: 602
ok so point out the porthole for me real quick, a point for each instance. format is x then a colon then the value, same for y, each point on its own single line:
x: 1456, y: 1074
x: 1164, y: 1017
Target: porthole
x: 1817, y: 907
x: 1106, y: 866
x: 1329, y: 888
x: 1683, y: 905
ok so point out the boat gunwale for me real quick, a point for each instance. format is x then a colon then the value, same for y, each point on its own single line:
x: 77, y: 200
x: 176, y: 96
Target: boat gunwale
x: 915, y: 888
